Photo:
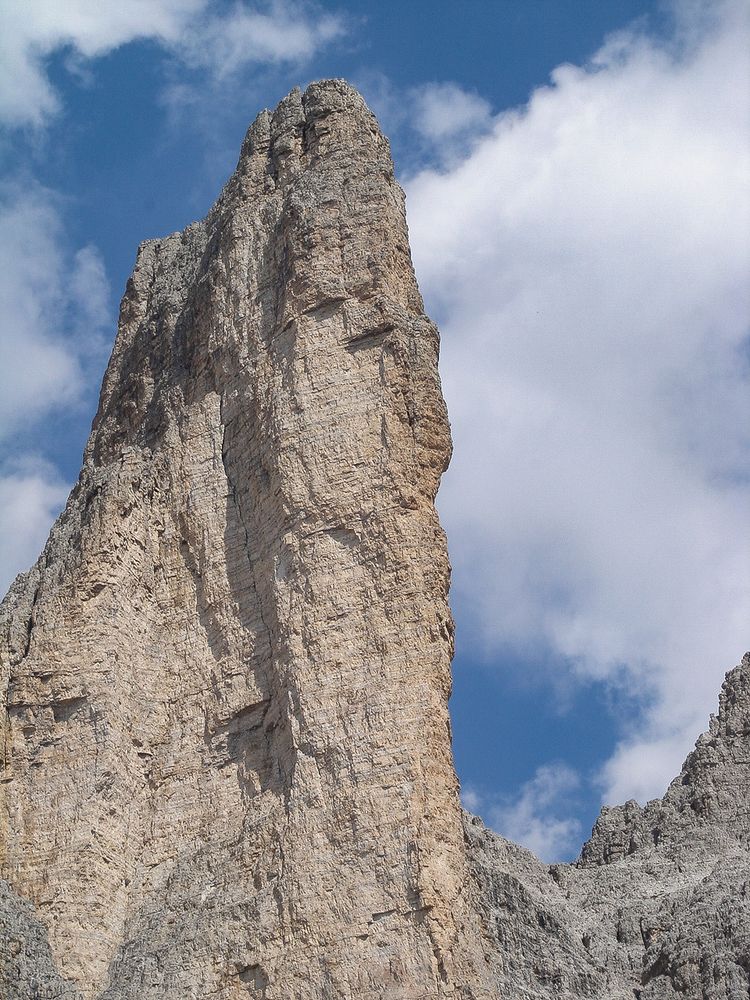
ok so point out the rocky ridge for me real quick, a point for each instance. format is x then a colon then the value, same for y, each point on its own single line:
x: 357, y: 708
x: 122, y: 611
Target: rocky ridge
x: 657, y: 906
x: 226, y: 765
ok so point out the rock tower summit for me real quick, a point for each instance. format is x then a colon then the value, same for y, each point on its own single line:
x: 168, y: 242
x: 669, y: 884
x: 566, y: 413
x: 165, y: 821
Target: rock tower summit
x: 226, y: 768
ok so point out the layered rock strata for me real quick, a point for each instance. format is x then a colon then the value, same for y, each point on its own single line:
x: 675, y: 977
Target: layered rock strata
x: 227, y: 766
x: 226, y: 763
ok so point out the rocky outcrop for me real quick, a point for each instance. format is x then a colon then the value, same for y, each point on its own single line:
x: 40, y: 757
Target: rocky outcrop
x: 706, y: 802
x: 226, y: 762
x: 658, y: 905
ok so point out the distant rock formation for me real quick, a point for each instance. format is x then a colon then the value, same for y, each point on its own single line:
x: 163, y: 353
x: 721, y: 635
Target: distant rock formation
x: 657, y: 906
x: 226, y: 766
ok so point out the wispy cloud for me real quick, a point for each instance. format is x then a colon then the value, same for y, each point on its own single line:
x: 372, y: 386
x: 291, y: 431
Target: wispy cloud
x: 90, y: 301
x: 440, y: 120
x: 31, y: 32
x: 55, y: 298
x: 282, y: 32
x: 587, y: 262
x: 446, y: 111
x: 53, y: 311
x: 202, y: 34
x: 540, y: 815
x: 31, y: 494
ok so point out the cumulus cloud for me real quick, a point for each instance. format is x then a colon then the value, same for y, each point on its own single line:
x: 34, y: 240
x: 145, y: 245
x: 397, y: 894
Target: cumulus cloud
x: 54, y: 298
x: 588, y: 263
x: 54, y: 309
x: 201, y: 33
x: 538, y: 816
x: 90, y: 299
x: 471, y: 799
x: 31, y: 495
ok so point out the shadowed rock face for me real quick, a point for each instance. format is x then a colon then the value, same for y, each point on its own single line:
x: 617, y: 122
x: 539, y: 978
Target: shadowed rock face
x: 226, y: 752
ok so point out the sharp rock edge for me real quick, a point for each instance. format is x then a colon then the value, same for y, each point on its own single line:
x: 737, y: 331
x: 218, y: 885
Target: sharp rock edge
x: 226, y: 762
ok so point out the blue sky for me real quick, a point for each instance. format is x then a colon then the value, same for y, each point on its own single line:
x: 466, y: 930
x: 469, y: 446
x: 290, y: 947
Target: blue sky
x: 576, y: 177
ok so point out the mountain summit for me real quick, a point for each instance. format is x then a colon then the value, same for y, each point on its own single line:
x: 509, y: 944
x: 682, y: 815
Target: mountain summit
x: 226, y: 764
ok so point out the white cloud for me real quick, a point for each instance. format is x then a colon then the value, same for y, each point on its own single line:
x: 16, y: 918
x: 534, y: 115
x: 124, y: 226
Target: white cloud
x: 43, y: 299
x: 285, y: 32
x: 197, y: 32
x: 588, y: 265
x: 637, y: 769
x: 443, y: 111
x: 538, y: 817
x: 30, y: 32
x: 54, y: 307
x: 54, y: 301
x: 439, y: 121
x: 31, y: 494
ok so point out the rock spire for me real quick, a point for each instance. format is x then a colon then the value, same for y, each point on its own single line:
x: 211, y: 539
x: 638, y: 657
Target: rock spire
x: 227, y: 760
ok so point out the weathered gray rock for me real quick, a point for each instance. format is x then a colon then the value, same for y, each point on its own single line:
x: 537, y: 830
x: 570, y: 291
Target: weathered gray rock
x: 226, y: 764
x: 27, y: 969
x: 658, y: 905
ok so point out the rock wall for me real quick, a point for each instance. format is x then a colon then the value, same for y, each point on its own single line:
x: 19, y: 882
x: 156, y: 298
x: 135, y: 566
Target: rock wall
x: 227, y: 766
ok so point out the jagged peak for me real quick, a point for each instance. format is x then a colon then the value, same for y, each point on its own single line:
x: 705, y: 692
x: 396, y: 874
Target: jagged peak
x: 702, y: 797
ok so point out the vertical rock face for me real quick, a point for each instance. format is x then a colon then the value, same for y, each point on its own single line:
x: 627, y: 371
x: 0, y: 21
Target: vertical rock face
x: 227, y: 765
